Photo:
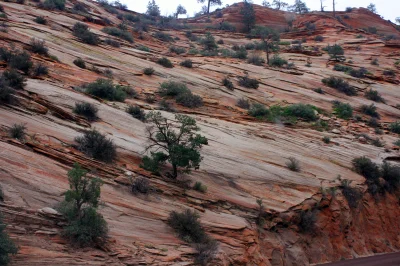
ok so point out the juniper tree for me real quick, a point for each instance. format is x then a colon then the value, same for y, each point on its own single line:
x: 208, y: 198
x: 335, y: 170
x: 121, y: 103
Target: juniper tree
x: 269, y: 37
x: 210, y: 3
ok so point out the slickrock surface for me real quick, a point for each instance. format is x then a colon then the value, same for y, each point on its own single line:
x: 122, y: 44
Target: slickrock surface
x: 245, y: 159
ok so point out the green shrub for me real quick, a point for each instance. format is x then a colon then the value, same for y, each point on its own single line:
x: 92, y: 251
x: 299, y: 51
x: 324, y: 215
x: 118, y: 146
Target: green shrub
x: 375, y: 62
x: 389, y: 72
x: 5, y: 91
x: 165, y: 62
x: 97, y: 146
x: 342, y: 110
x: 326, y: 139
x: 342, y: 68
x: 277, y: 61
x: 80, y: 7
x: 226, y: 26
x: 198, y: 186
x: 377, y: 142
x: 397, y: 143
x: 395, y: 127
x: 258, y: 110
x: 340, y: 85
x: 365, y: 167
x: 54, y: 4
x: 141, y: 185
x: 105, y: 89
x: 241, y: 54
x: 336, y: 52
x: 319, y: 38
x: 122, y: 34
x: 17, y: 132
x: 319, y: 90
x: 40, y: 20
x: 243, y: 103
x: 113, y: 43
x: 21, y: 61
x: 80, y: 63
x: 14, y: 79
x: 228, y: 84
x: 143, y: 48
x: 172, y: 88
x: 304, y: 111
x: 87, y: 110
x: 187, y: 226
x: 370, y: 110
x: 358, y: 73
x: 374, y: 95
x: 40, y: 70
x: 177, y: 50
x: 187, y: 63
x: 7, y: 246
x: 307, y: 222
x: 82, y: 32
x: 255, y: 60
x: 136, y: 112
x: 352, y: 195
x: 38, y: 47
x: 189, y: 100
x: 165, y: 37
x: 293, y: 164
x: 148, y: 71
x: 391, y: 174
x: 248, y: 82
x: 209, y: 42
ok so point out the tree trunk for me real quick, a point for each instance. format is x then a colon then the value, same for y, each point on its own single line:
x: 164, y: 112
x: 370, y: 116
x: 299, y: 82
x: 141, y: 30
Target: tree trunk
x: 267, y: 50
x: 175, y: 171
x: 334, y: 13
x: 208, y: 8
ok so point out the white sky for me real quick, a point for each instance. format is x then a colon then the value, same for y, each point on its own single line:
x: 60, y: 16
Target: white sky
x: 389, y: 9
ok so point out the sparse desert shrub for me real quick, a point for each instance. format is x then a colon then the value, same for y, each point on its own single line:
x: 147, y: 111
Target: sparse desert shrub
x: 365, y: 167
x: 14, y: 79
x: 375, y: 62
x: 258, y: 110
x: 373, y: 122
x: 172, y: 88
x: 187, y: 63
x: 189, y: 100
x: 293, y: 164
x: 87, y: 110
x: 319, y: 38
x: 148, y: 71
x: 391, y: 174
x: 143, y: 48
x: 241, y: 54
x: 307, y: 222
x: 370, y: 110
x: 117, y: 32
x: 243, y: 103
x: 209, y: 42
x: 304, y: 111
x: 21, y: 61
x: 5, y: 91
x: 277, y: 61
x: 374, y: 95
x: 165, y: 37
x: 342, y: 68
x: 150, y: 98
x: 255, y: 60
x: 7, y: 245
x: 228, y: 84
x: 352, y: 195
x: 248, y: 82
x: 340, y: 85
x: 342, y: 110
x: 136, y: 112
x: 206, y: 251
x: 165, y: 62
x: 177, y: 50
x: 97, y: 146
x: 39, y: 47
x: 17, y: 131
x: 198, y: 186
x: 80, y: 7
x: 40, y: 20
x: 79, y: 62
x: 377, y: 142
x: 336, y: 52
x: 166, y: 106
x: 326, y: 139
x: 108, y: 73
x: 141, y: 185
x: 358, y: 73
x: 54, y: 4
x: 319, y: 90
x: 395, y: 127
x: 105, y: 89
x: 397, y: 143
x: 389, y: 72
x: 40, y: 70
x: 226, y: 26
x: 113, y: 43
x: 187, y: 226
x: 220, y: 41
x: 82, y: 32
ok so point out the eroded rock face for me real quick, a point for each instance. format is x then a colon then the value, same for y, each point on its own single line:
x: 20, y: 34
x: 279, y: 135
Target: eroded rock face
x: 244, y: 161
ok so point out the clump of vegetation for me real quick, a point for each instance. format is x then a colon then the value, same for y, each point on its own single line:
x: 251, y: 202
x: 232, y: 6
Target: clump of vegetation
x: 365, y: 167
x: 144, y: 48
x: 342, y: 68
x: 375, y: 62
x: 374, y: 95
x: 307, y: 222
x: 17, y: 60
x: 336, y: 52
x: 97, y: 146
x: 14, y: 79
x: 141, y: 185
x: 243, y: 103
x: 87, y: 110
x: 54, y: 4
x: 5, y: 91
x: 319, y: 38
x: 187, y: 63
x: 293, y: 164
x: 113, y: 43
x: 352, y: 195
x: 389, y: 72
x: 342, y: 110
x: 319, y: 90
x: 255, y: 60
x: 209, y: 42
x: 248, y: 82
x: 258, y: 110
x: 136, y: 112
x: 395, y: 127
x: 117, y: 32
x: 177, y: 50
x: 226, y: 26
x: 165, y: 62
x: 340, y: 85
x: 326, y: 139
x: 40, y: 70
x: 79, y: 62
x: 228, y: 84
x: 39, y: 47
x: 7, y: 245
x: 82, y: 32
x: 277, y: 61
x: 370, y: 110
x: 190, y: 100
x: 105, y: 89
x: 304, y: 111
x: 85, y: 226
x: 17, y: 131
x: 358, y: 73
x: 162, y: 36
x: 172, y: 88
x: 148, y: 71
x: 198, y: 186
x: 40, y: 20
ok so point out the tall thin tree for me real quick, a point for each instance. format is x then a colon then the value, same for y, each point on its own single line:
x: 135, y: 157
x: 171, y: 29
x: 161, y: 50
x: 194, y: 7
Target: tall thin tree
x: 210, y: 3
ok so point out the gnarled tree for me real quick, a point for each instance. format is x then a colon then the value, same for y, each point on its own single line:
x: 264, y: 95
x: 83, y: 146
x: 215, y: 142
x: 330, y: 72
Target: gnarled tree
x: 210, y: 3
x: 180, y: 10
x: 269, y: 37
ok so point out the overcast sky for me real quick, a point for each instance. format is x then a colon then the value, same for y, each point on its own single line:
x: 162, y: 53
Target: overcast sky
x: 389, y: 9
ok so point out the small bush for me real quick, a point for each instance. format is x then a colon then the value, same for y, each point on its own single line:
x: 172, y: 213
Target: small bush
x: 5, y: 91
x: 148, y: 71
x: 395, y: 127
x: 248, y: 82
x: 243, y: 103
x: 255, y: 60
x: 241, y: 54
x: 189, y: 100
x: 304, y: 111
x: 54, y: 4
x: 39, y: 47
x: 113, y: 43
x: 342, y: 68
x: 150, y: 98
x: 365, y: 167
x: 307, y: 221
x: 187, y: 63
x: 143, y: 48
x: 21, y: 61
x: 82, y: 32
x: 120, y: 33
x: 187, y: 226
x: 374, y: 95
x: 340, y: 85
x: 165, y: 37
x: 319, y: 38
x: 377, y: 142
x: 375, y: 62
x: 97, y: 146
x: 352, y: 195
x: 319, y: 90
x: 326, y: 139
x: 172, y: 88
x: 40, y: 70
x: 80, y: 63
x: 391, y: 174
x: 17, y: 132
x: 136, y: 112
x: 14, y: 79
x: 177, y: 50
x: 141, y: 185
x: 198, y: 186
x: 105, y: 89
x: 220, y: 41
x: 87, y: 110
x: 258, y: 110
x: 342, y: 110
x: 206, y: 251
x: 228, y: 84
x: 277, y: 61
x: 209, y: 42
x: 293, y: 164
x: 389, y: 72
x: 40, y: 20
x: 226, y: 26
x: 165, y: 62
x: 336, y: 52
x: 370, y: 110
x: 397, y: 143
x: 360, y: 73
x: 7, y: 245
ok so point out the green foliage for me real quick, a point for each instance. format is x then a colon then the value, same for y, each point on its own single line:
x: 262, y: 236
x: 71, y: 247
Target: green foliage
x: 39, y: 47
x: 342, y: 68
x: 209, y: 42
x: 7, y: 246
x: 374, y: 95
x: 395, y: 127
x: 162, y: 36
x: 352, y: 195
x: 172, y: 88
x: 375, y: 62
x: 144, y: 48
x: 370, y: 110
x: 153, y: 9
x: 40, y: 20
x: 40, y: 70
x: 258, y: 110
x: 54, y: 4
x: 187, y: 226
x: 389, y: 72
x: 5, y: 91
x: 190, y: 100
x: 141, y: 185
x: 391, y: 174
x: 105, y: 89
x: 17, y: 132
x: 293, y: 164
x: 117, y: 32
x: 177, y: 140
x: 153, y: 162
x: 21, y: 61
x: 319, y: 90
x: 307, y: 222
x: 304, y: 111
x: 248, y: 82
x: 187, y: 63
x: 228, y: 84
x: 14, y: 79
x: 82, y: 32
x: 241, y: 54
x: 340, y: 85
x: 336, y: 52
x: 85, y: 226
x: 165, y: 62
x: 113, y: 43
x: 79, y: 62
x: 249, y: 16
x: 277, y: 61
x: 319, y: 38
x: 326, y: 139
x: 198, y: 186
x: 299, y: 7
x: 148, y: 71
x: 136, y: 112
x: 87, y: 110
x: 342, y: 110
x: 97, y: 146
x: 243, y: 103
x: 255, y: 60
x: 365, y: 167
x: 226, y: 26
